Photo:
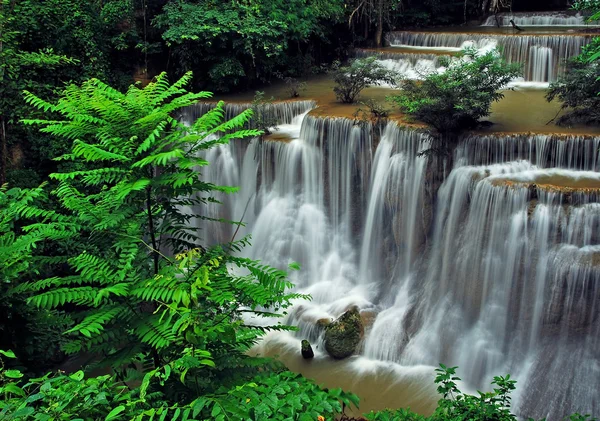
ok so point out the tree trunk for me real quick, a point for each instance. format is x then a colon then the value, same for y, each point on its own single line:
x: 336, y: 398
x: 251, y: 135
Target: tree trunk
x: 379, y: 32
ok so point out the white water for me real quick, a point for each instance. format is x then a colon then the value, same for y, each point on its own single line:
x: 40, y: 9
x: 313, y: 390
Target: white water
x: 542, y: 55
x: 494, y: 278
x: 537, y: 19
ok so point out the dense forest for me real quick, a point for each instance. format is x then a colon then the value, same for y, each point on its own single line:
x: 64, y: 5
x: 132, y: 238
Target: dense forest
x: 113, y: 306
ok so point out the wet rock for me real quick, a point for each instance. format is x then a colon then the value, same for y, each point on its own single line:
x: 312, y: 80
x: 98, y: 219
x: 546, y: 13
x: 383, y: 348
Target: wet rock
x: 344, y: 334
x: 324, y: 322
x: 367, y: 318
x: 307, y: 351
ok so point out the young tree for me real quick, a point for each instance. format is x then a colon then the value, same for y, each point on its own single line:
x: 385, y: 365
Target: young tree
x: 455, y: 100
x: 360, y: 74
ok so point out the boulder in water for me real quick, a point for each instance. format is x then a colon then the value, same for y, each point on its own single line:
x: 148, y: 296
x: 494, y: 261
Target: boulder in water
x: 307, y: 351
x: 324, y: 322
x: 344, y: 334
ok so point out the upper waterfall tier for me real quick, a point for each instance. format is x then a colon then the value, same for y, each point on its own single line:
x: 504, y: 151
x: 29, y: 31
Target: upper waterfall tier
x: 544, y: 151
x: 282, y: 112
x: 409, y: 65
x: 537, y: 19
x: 542, y: 55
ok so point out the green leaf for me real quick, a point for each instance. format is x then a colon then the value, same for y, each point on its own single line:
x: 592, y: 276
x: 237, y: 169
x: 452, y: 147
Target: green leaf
x: 114, y: 413
x: 13, y: 374
x: 14, y: 389
x: 8, y: 354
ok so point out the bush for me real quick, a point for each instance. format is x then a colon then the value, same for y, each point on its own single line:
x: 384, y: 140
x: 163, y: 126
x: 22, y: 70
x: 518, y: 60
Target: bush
x: 456, y: 99
x: 263, y: 118
x: 360, y: 74
x: 578, y: 91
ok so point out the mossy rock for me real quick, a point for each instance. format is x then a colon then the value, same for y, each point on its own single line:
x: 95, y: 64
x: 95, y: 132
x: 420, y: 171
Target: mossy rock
x: 343, y: 335
x: 324, y: 322
x: 307, y: 351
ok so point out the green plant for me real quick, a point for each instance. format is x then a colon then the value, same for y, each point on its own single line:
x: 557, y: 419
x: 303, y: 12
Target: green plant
x: 376, y: 112
x: 359, y: 74
x: 577, y: 90
x: 263, y: 118
x: 490, y: 406
x: 133, y: 302
x: 34, y: 334
x: 174, y: 321
x: 456, y: 99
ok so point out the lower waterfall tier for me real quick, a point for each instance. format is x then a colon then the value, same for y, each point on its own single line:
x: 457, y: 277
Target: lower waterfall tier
x: 494, y: 272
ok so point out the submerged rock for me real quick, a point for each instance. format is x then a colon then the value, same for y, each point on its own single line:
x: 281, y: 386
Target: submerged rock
x: 344, y: 334
x: 307, y: 351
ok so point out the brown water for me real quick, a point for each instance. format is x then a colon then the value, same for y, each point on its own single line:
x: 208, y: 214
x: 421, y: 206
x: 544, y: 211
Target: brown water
x: 379, y: 384
x: 521, y: 110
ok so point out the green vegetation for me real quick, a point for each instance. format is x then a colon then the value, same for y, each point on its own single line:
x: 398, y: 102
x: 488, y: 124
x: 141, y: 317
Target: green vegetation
x: 170, y: 329
x: 173, y: 325
x: 455, y: 100
x: 578, y: 92
x: 578, y: 88
x: 242, y: 43
x: 104, y: 272
x: 359, y: 74
x: 457, y: 405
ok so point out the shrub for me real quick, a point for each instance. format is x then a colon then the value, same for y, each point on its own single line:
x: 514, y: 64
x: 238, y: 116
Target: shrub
x: 456, y: 99
x: 263, y: 118
x: 578, y: 91
x: 359, y: 74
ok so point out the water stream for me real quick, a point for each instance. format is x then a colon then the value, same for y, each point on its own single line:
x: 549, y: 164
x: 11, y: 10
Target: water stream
x: 499, y: 274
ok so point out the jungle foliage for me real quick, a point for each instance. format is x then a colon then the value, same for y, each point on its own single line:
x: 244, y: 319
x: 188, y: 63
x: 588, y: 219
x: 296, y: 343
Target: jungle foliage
x: 579, y: 87
x: 455, y: 100
x: 229, y: 46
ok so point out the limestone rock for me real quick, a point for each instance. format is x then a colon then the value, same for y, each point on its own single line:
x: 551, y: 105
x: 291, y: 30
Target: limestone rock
x: 344, y: 334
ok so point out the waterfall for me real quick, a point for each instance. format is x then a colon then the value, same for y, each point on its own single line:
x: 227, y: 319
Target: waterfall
x: 283, y: 112
x: 543, y: 55
x: 410, y: 66
x: 500, y: 275
x: 536, y: 19
x: 564, y: 151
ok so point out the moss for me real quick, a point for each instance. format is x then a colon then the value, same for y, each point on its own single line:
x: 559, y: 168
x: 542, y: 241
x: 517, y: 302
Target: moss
x: 343, y: 335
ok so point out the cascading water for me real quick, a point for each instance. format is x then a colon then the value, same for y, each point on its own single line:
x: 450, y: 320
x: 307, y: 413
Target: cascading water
x: 542, y: 150
x: 541, y: 54
x: 411, y: 66
x: 500, y: 275
x: 536, y: 19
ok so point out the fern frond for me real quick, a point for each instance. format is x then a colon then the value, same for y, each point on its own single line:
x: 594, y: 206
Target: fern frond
x: 94, y: 323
